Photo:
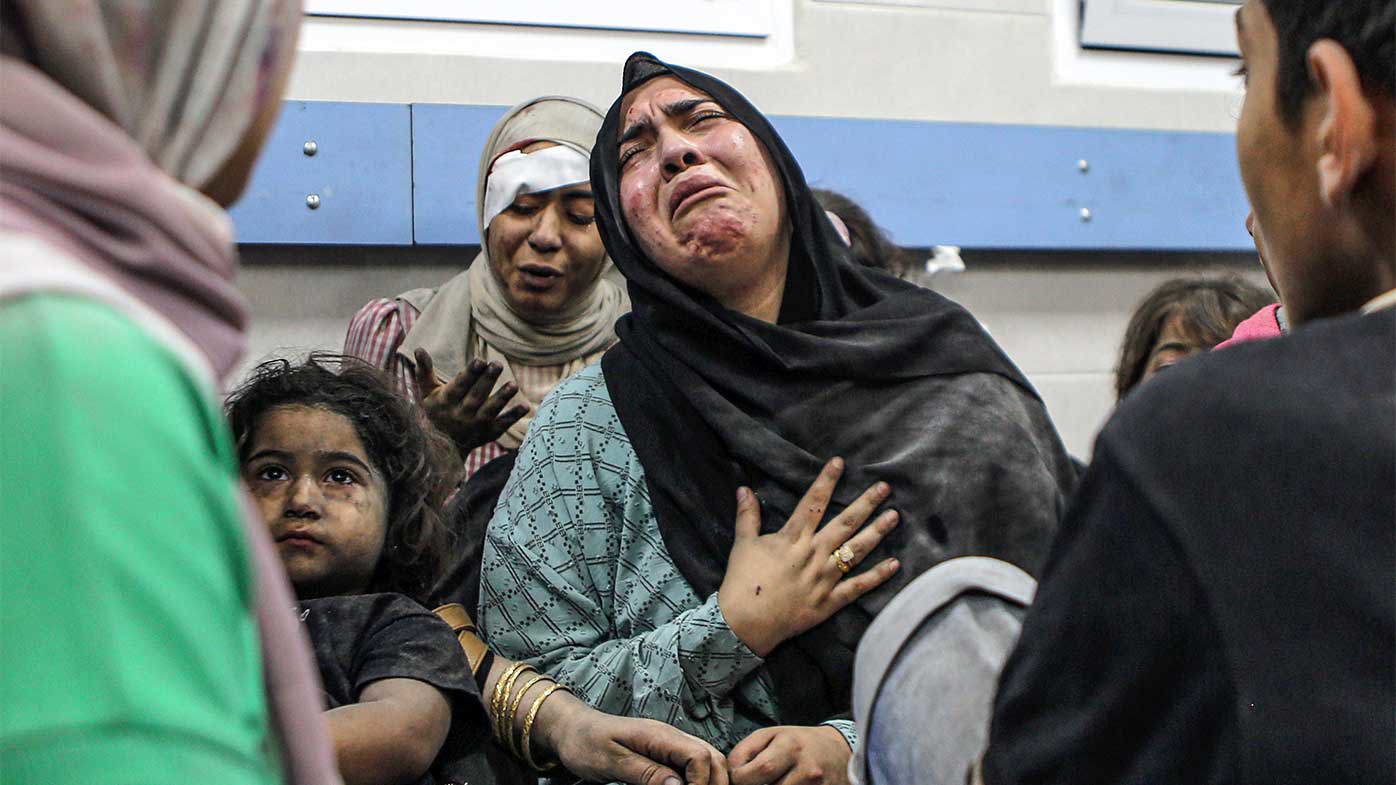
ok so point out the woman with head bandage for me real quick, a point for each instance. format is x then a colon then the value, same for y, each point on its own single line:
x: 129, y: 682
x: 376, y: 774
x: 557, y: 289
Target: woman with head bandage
x: 533, y: 308
x: 537, y: 305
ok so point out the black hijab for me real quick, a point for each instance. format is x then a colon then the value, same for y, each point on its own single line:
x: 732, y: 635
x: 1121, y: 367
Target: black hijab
x: 901, y: 382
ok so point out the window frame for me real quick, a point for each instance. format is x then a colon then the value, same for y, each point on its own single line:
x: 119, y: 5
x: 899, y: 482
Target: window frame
x: 735, y: 18
x: 1037, y: 7
x: 1197, y: 27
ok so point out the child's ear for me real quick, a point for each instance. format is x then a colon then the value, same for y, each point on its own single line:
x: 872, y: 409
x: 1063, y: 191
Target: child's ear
x: 1346, y: 131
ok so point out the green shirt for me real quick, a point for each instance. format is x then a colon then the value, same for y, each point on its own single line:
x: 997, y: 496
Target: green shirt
x: 128, y: 645
x: 577, y: 581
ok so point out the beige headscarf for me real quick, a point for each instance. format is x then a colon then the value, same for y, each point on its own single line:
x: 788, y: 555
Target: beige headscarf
x: 469, y: 317
x: 112, y: 113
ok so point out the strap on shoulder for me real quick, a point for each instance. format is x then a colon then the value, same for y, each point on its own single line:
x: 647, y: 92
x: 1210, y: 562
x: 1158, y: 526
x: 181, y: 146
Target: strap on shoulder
x: 466, y: 632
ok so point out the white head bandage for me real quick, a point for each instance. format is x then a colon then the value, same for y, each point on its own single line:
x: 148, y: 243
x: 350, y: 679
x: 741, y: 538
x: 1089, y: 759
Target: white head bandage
x: 517, y: 172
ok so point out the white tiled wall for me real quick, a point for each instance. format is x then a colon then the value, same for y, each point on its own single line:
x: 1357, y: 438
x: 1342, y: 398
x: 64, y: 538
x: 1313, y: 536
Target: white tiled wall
x: 1060, y: 321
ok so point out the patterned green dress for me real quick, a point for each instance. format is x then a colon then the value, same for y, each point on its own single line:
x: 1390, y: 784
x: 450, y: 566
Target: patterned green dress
x: 577, y: 581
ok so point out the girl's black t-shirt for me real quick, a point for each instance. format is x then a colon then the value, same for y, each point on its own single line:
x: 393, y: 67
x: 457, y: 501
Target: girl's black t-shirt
x: 360, y: 639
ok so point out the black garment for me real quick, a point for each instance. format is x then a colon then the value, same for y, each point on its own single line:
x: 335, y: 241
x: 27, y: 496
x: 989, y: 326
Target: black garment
x: 360, y: 639
x: 1218, y: 607
x: 468, y: 514
x: 899, y: 381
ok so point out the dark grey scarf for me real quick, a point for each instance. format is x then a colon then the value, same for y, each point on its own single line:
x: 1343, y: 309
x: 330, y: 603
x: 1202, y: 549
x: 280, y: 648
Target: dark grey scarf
x: 901, y: 382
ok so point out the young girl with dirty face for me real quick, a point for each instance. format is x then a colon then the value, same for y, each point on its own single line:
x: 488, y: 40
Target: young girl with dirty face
x: 345, y: 478
x: 350, y: 480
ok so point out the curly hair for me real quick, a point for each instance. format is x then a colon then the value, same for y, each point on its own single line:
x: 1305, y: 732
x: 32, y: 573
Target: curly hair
x: 1210, y: 308
x: 420, y: 465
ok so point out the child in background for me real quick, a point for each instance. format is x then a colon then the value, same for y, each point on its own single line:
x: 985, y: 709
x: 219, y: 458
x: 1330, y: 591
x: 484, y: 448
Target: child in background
x: 1180, y: 318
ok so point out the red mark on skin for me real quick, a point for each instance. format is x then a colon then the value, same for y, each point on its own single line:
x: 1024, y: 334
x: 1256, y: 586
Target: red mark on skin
x: 714, y: 232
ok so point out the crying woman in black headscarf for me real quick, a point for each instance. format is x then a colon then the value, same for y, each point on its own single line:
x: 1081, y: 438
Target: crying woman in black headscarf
x: 699, y: 528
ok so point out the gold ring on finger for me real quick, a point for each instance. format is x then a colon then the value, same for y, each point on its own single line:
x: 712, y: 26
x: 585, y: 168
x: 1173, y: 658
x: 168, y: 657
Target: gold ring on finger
x: 843, y: 558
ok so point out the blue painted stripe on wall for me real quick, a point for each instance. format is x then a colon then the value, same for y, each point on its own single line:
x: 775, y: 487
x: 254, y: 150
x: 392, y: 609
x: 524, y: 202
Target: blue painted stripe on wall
x: 447, y: 140
x: 1003, y: 186
x: 361, y: 172
x: 974, y: 185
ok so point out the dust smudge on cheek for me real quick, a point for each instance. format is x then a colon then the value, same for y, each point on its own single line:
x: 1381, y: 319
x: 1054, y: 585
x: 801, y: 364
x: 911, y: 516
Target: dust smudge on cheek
x: 633, y: 206
x: 637, y: 205
x: 269, y: 506
x: 744, y: 157
x: 741, y: 149
x: 355, y: 500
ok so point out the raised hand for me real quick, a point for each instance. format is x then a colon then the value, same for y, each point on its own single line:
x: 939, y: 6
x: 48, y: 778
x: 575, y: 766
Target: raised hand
x: 464, y: 409
x: 779, y: 585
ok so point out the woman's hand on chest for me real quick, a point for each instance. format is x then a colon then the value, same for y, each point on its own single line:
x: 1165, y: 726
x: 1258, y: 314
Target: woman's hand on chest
x: 781, y: 584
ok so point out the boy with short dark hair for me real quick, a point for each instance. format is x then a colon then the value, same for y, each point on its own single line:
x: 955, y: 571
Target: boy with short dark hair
x: 1200, y: 620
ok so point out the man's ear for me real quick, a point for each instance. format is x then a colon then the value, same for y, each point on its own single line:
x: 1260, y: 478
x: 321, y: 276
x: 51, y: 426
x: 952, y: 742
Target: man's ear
x: 1347, y: 142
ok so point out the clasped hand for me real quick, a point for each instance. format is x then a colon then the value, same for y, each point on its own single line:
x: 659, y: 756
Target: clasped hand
x: 777, y: 586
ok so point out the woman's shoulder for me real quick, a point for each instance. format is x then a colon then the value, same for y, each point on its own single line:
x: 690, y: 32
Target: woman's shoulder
x: 395, y: 313
x: 45, y: 322
x: 580, y: 400
x: 576, y: 432
x: 381, y: 313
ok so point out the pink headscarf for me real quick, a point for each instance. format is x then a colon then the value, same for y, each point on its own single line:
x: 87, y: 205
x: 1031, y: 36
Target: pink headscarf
x: 1259, y: 326
x: 79, y: 182
x: 175, y: 85
x: 112, y: 113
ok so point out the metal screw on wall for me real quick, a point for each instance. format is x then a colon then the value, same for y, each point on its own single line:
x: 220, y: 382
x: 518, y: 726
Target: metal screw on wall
x: 1083, y: 166
x: 310, y: 148
x: 313, y: 201
x: 1085, y: 215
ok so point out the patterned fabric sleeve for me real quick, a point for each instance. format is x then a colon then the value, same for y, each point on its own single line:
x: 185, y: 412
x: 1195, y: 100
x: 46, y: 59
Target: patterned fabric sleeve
x: 576, y: 581
x: 848, y: 728
x: 480, y: 456
x: 374, y: 335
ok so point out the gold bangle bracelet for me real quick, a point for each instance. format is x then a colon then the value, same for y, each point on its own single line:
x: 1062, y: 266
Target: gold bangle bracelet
x: 504, y: 721
x: 501, y: 696
x: 513, y: 745
x: 497, y: 698
x: 528, y: 726
x: 501, y: 722
x: 498, y: 686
